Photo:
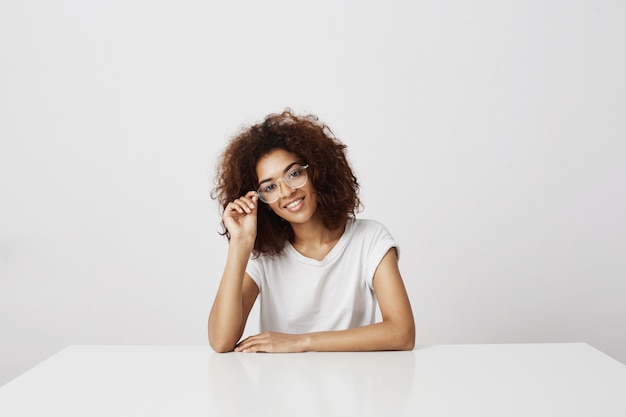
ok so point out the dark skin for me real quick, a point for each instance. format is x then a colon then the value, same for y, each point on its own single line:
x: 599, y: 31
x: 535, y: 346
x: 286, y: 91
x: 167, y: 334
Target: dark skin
x: 237, y: 291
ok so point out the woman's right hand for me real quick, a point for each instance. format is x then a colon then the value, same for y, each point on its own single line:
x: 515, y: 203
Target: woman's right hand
x: 240, y: 216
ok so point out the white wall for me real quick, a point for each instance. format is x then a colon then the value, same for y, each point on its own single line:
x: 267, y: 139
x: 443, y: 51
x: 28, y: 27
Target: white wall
x: 488, y: 136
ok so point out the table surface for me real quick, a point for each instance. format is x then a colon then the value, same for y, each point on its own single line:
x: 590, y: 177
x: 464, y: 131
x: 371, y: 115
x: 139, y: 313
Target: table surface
x: 564, y: 379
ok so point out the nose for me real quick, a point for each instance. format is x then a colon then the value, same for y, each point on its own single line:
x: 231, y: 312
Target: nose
x: 285, y: 189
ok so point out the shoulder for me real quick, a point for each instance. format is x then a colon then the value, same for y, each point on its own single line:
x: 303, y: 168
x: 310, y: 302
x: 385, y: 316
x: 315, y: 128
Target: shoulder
x: 260, y: 267
x: 369, y: 232
x: 373, y: 235
x: 367, y: 226
x: 268, y: 259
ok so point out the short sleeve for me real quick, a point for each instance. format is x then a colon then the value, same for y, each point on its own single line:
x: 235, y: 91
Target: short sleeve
x: 255, y: 271
x: 381, y: 242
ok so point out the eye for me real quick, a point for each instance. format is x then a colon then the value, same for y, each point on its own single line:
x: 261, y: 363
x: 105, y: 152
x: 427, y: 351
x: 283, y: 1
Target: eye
x: 296, y: 173
x: 269, y: 188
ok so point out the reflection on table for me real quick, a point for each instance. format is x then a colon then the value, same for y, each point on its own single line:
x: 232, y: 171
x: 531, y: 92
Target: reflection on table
x: 315, y: 384
x: 570, y: 379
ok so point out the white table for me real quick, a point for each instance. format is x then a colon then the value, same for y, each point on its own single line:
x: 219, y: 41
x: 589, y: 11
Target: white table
x: 571, y: 379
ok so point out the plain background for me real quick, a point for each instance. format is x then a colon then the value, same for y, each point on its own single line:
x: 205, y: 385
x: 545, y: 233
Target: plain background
x: 488, y: 136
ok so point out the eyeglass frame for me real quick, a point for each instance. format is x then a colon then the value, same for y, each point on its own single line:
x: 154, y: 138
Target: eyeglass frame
x: 301, y: 168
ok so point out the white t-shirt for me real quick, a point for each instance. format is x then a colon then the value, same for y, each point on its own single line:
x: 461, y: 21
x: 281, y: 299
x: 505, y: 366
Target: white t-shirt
x: 302, y: 295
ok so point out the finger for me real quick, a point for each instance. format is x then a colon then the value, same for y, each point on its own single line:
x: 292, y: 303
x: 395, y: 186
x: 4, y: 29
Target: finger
x: 245, y: 348
x: 253, y: 348
x: 251, y: 194
x: 250, y: 199
x: 245, y: 343
x: 235, y: 206
x: 250, y: 344
x: 248, y: 202
x: 249, y: 349
x: 242, y: 205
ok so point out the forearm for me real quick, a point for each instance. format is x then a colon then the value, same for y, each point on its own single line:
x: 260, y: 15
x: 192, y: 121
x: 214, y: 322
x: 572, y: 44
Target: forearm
x: 385, y: 335
x: 227, y: 319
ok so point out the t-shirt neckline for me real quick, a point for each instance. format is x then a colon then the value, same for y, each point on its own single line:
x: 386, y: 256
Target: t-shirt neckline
x: 334, y: 253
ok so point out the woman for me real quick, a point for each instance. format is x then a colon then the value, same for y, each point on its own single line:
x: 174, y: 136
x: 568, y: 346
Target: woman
x: 289, y: 200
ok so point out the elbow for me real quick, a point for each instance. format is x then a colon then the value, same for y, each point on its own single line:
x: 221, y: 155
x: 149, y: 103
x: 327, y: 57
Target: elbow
x: 219, y: 343
x: 221, y: 346
x: 400, y: 335
x: 221, y: 349
x: 406, y: 338
x: 219, y: 340
x: 408, y: 343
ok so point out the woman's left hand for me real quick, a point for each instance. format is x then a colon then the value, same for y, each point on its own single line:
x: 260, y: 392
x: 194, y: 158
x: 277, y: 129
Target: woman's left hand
x: 272, y: 342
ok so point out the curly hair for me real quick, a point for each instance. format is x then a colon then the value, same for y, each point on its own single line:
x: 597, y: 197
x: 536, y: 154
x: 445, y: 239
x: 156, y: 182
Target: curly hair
x: 312, y: 142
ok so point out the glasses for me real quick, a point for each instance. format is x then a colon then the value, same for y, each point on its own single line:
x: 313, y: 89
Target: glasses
x: 296, y: 178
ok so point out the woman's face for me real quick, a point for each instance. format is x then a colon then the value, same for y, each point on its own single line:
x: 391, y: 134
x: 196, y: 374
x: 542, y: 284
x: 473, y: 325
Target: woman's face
x: 295, y: 205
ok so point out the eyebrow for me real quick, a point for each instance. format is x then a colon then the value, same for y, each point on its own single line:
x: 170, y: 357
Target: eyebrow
x: 284, y: 172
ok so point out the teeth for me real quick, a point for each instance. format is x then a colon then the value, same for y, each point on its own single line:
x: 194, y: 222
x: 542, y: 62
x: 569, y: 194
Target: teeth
x: 293, y: 204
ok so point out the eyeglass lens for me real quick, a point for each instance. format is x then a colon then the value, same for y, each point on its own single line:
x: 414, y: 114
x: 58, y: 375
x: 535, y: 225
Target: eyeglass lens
x: 295, y: 178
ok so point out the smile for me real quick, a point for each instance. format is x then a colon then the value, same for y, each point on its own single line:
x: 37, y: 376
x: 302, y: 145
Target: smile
x: 294, y: 203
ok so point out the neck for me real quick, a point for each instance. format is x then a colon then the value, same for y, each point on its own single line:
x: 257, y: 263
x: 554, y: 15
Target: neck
x: 314, y: 233
x: 314, y: 240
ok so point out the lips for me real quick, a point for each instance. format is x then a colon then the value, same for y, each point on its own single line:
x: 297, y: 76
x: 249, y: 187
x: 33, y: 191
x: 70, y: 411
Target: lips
x: 293, y: 204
